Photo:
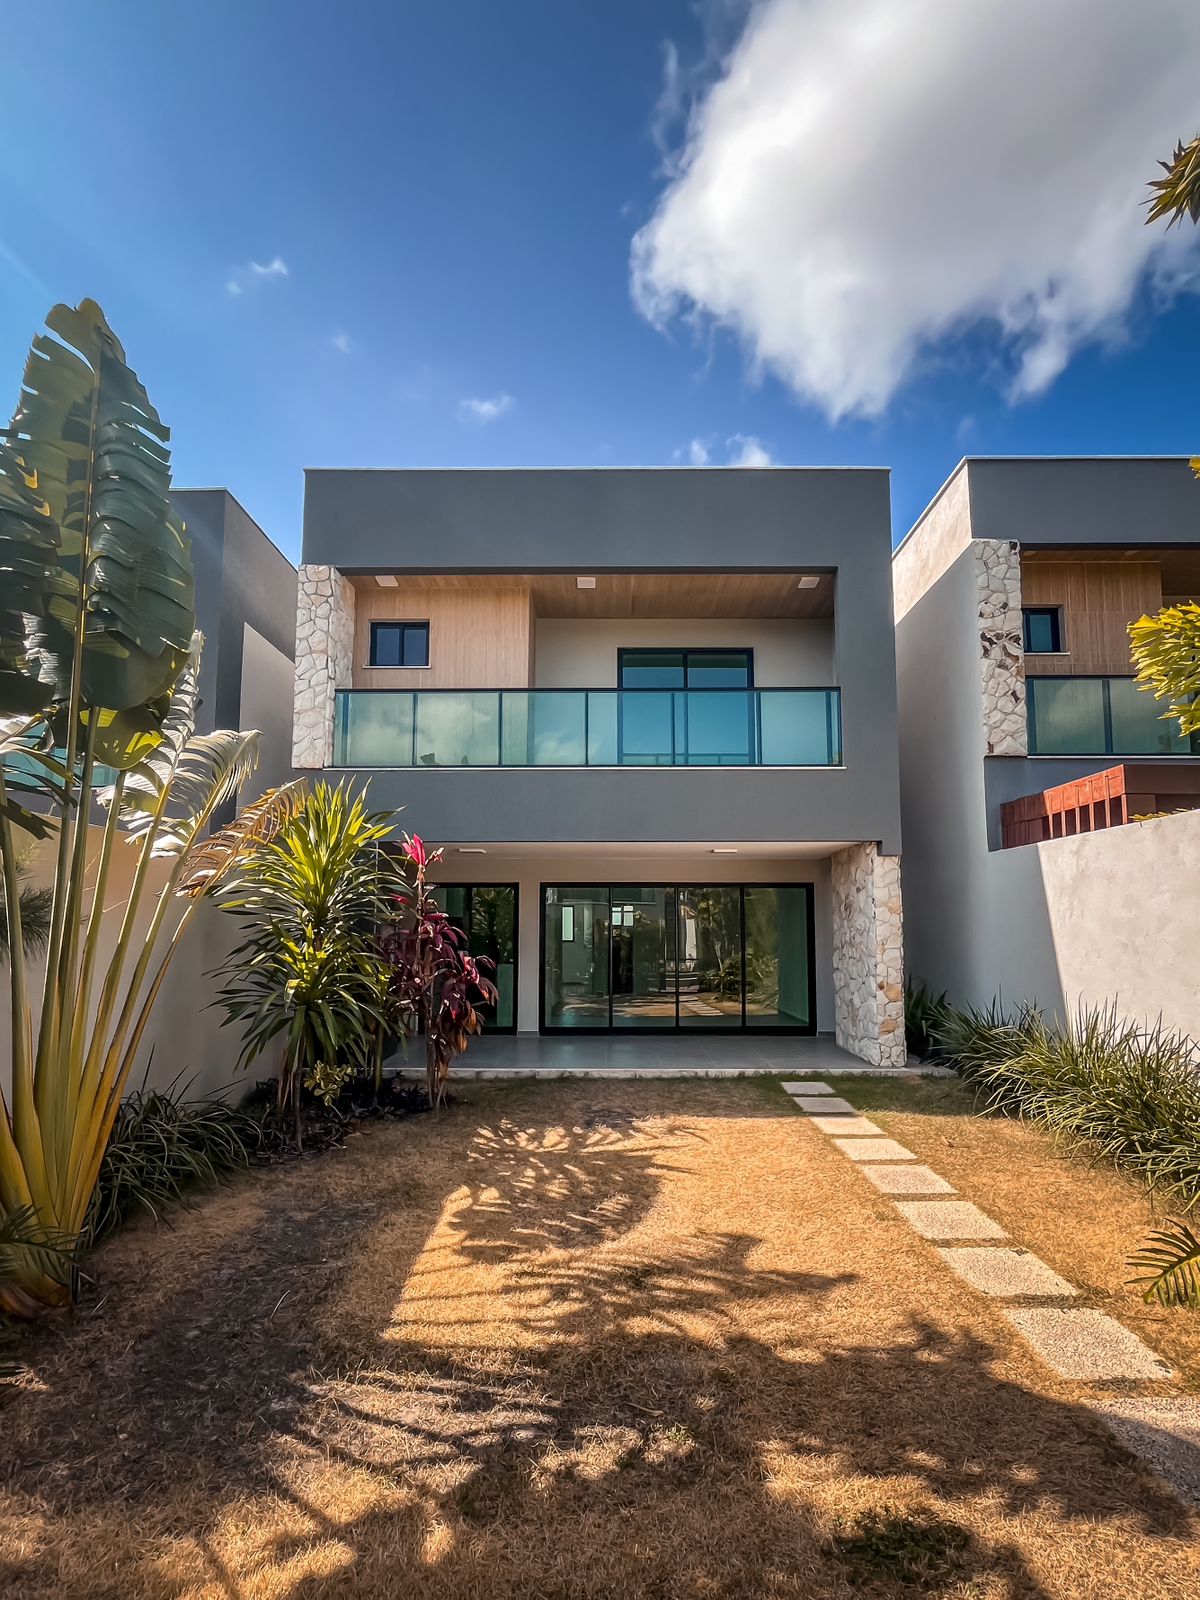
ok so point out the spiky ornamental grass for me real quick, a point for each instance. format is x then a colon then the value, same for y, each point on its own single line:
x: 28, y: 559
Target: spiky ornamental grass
x: 163, y: 1145
x: 1110, y: 1088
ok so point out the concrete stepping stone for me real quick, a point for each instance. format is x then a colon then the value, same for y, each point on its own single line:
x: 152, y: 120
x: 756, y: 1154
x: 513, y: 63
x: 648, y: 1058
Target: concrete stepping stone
x: 1164, y: 1433
x: 873, y: 1149
x: 906, y: 1178
x: 1086, y: 1344
x: 823, y: 1105
x: 949, y: 1219
x: 806, y: 1088
x: 996, y: 1270
x: 850, y: 1126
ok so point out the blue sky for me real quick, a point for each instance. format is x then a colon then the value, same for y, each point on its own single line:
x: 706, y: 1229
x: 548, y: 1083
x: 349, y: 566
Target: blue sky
x: 454, y: 191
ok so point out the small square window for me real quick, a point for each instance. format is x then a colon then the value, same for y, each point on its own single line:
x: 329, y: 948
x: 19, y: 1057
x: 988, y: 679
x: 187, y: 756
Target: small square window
x: 1042, y: 627
x: 399, y: 644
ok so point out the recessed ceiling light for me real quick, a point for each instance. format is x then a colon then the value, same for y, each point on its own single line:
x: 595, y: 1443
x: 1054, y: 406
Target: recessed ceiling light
x: 471, y: 850
x: 385, y: 580
x: 810, y: 580
x: 585, y: 583
x: 725, y: 850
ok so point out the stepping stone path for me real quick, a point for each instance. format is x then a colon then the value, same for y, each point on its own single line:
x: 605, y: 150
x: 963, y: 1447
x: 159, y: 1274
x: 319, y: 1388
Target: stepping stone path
x: 1006, y: 1273
x: 823, y: 1105
x: 849, y: 1126
x: 905, y: 1177
x: 1074, y: 1342
x: 873, y: 1150
x: 1085, y: 1344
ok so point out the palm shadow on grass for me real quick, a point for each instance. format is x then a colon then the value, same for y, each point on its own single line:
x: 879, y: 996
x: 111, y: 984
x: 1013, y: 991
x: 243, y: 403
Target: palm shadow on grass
x: 617, y: 1431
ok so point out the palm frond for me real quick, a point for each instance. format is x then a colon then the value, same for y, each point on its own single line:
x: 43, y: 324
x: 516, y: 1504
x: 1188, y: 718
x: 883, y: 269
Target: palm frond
x: 256, y: 824
x: 35, y: 905
x: 1170, y: 1263
x: 1178, y: 194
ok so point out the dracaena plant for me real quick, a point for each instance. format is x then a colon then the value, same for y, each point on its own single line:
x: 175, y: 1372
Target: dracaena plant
x: 434, y: 976
x: 308, y: 975
x: 98, y: 664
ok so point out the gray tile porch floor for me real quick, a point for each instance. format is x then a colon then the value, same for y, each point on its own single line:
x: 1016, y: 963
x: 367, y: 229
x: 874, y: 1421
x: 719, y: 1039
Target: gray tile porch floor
x: 646, y: 1054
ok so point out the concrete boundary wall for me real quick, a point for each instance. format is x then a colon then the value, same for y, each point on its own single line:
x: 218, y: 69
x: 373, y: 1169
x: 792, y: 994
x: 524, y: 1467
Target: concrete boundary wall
x: 1100, y: 918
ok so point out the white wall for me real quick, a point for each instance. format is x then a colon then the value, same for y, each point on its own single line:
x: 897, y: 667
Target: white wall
x: 529, y: 874
x: 1103, y: 917
x: 574, y: 653
x: 184, y: 1039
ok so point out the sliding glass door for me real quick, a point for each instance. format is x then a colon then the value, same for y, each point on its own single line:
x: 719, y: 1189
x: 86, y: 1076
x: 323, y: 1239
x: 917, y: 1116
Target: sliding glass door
x: 657, y: 957
x: 487, y: 914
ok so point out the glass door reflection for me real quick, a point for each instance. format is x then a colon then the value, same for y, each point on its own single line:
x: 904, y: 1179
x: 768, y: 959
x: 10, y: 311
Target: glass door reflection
x: 710, y: 957
x: 575, y: 957
x: 643, y: 957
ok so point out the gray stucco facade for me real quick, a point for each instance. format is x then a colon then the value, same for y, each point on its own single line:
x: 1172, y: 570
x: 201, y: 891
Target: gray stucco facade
x: 245, y: 586
x: 643, y: 520
x: 743, y: 539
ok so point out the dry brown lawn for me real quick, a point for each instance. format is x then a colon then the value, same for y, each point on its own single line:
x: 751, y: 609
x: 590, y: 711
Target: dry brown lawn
x: 580, y: 1340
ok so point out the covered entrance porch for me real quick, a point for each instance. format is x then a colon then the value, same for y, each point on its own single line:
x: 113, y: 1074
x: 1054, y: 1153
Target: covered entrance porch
x: 674, y: 949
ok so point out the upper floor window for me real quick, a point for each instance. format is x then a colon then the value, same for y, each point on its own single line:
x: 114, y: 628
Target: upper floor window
x: 1042, y: 626
x: 685, y: 669
x: 399, y: 644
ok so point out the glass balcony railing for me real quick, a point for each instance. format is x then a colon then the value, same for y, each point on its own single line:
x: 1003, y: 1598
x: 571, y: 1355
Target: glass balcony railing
x: 1100, y: 717
x: 588, y: 728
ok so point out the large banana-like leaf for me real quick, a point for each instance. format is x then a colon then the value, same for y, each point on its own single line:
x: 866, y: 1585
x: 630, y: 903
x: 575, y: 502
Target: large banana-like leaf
x: 84, y: 483
x: 185, y: 775
x: 30, y: 766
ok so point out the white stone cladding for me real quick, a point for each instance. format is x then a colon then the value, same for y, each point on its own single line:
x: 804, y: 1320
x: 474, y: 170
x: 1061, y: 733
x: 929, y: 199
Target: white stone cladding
x: 868, y: 955
x: 1001, y: 646
x: 324, y: 660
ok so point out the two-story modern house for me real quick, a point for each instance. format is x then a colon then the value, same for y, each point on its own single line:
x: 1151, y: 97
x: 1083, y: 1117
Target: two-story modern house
x: 1020, y: 721
x: 651, y: 715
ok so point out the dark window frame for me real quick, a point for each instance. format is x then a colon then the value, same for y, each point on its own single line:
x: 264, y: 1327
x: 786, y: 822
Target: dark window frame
x: 404, y: 624
x: 685, y: 652
x: 1055, y: 613
x: 741, y: 1032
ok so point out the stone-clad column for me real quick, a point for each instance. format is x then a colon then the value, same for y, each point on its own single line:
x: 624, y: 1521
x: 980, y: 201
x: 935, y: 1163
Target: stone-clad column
x: 868, y: 955
x: 324, y: 660
x: 1001, y: 646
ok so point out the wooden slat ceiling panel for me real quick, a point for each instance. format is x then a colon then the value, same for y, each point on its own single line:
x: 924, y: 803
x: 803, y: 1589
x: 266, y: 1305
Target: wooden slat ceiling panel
x: 645, y: 594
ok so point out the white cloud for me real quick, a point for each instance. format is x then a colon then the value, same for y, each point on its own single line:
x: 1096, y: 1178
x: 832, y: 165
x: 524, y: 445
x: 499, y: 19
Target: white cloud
x: 865, y: 179
x: 485, y: 409
x: 256, y: 272
x: 747, y: 451
x: 342, y: 343
x: 741, y: 450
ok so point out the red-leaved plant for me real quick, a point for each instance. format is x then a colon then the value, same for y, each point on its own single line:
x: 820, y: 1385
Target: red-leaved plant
x: 434, y: 975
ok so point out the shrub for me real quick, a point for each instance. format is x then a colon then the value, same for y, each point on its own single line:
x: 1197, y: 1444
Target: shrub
x: 1109, y: 1087
x: 161, y: 1146
x: 923, y: 1011
x: 308, y: 977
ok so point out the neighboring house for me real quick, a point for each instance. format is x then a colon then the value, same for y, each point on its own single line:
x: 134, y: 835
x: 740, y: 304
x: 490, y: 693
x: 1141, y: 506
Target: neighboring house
x: 246, y: 610
x: 651, y: 715
x: 1013, y: 594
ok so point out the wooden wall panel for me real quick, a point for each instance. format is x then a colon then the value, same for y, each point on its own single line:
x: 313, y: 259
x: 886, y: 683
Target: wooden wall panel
x: 1098, y: 599
x: 479, y: 638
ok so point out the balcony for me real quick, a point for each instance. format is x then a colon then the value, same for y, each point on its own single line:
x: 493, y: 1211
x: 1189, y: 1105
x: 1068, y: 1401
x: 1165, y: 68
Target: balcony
x: 588, y: 728
x: 1099, y: 717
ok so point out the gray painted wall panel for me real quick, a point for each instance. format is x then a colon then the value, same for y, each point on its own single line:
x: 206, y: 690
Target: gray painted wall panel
x: 1085, y: 500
